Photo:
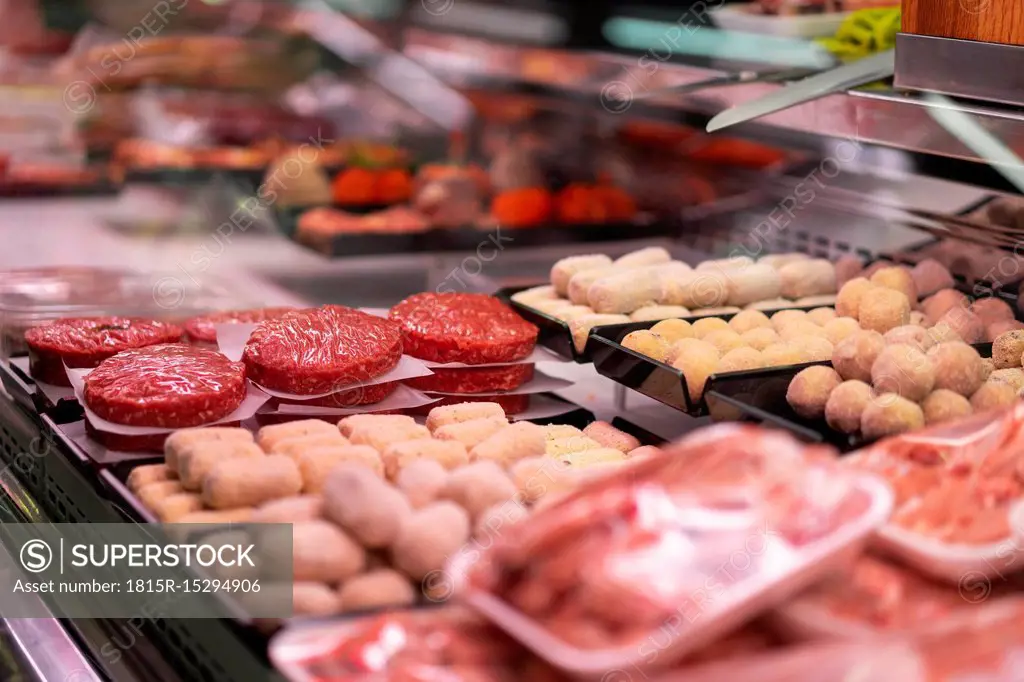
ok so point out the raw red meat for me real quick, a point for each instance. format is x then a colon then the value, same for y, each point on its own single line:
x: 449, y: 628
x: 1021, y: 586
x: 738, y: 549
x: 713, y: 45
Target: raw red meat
x: 474, y: 380
x: 200, y: 330
x: 86, y: 342
x: 363, y: 395
x: 512, y: 404
x: 123, y: 443
x: 321, y: 350
x: 474, y: 329
x: 166, y: 386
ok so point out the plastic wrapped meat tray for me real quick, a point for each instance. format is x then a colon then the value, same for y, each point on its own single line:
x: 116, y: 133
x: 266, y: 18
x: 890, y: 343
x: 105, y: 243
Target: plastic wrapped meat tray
x: 958, y: 491
x: 587, y: 578
x: 321, y: 350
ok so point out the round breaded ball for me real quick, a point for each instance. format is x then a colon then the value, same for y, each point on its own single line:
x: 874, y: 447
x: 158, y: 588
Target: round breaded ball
x: 964, y: 324
x: 421, y: 481
x: 786, y: 317
x: 992, y: 310
x: 888, y: 415
x: 739, y: 360
x: 846, y: 405
x: 646, y: 342
x: 987, y: 367
x: 1014, y: 376
x: 958, y: 367
x: 903, y: 370
x: 815, y: 348
x: 910, y: 335
x: 724, y: 340
x: 854, y: 355
x: 993, y: 395
x: 996, y: 329
x: 782, y: 355
x: 801, y: 329
x: 697, y: 362
x: 760, y: 338
x: 884, y: 309
x: 383, y: 588
x: 934, y: 307
x: 746, y: 320
x: 706, y: 325
x: 838, y: 329
x: 849, y: 297
x: 822, y: 316
x: 673, y: 330
x: 809, y: 391
x: 898, y: 279
x: 943, y: 405
x: 428, y: 538
x: 930, y: 276
x: 478, y: 486
x: 1008, y: 349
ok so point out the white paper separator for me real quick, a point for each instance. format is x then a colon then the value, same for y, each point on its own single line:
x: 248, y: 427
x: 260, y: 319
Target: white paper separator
x: 253, y: 401
x: 97, y: 452
x: 404, y: 398
x: 53, y: 393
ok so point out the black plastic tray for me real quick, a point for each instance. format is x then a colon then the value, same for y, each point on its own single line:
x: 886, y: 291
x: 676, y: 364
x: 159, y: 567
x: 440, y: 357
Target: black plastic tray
x: 466, y: 238
x: 760, y: 397
x: 654, y: 379
x: 42, y: 191
x: 23, y: 389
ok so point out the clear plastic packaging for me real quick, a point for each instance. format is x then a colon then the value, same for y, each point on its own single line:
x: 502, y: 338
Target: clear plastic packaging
x: 33, y: 297
x: 957, y: 493
x: 722, y: 526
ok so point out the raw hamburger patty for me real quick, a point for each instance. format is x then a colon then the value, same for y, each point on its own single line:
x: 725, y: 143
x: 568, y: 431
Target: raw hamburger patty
x: 474, y: 380
x: 123, y: 443
x: 86, y: 342
x: 363, y: 395
x: 321, y: 349
x: 474, y: 329
x: 167, y: 386
x: 202, y: 329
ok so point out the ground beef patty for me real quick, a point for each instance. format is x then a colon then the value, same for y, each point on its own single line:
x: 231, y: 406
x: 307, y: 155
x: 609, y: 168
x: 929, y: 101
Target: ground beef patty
x: 321, y: 349
x: 473, y: 379
x: 202, y: 329
x: 363, y: 395
x: 86, y: 342
x: 474, y: 329
x: 166, y: 386
x: 122, y: 443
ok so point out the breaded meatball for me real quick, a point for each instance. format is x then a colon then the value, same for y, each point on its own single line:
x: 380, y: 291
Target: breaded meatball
x: 673, y: 330
x: 646, y: 342
x: 992, y: 310
x: 838, y: 329
x: 848, y: 267
x: 800, y: 329
x: 958, y: 367
x: 422, y: 481
x: 964, y: 324
x: 821, y: 316
x: 1014, y: 376
x: 884, y: 309
x: 996, y: 329
x: 993, y: 395
x: 815, y: 348
x: 364, y: 505
x: 759, y: 338
x: 1008, y: 349
x: 383, y: 588
x: 706, y: 325
x: 809, y: 391
x: 724, y: 340
x: 746, y: 320
x: 479, y: 485
x: 784, y: 318
x: 898, y: 279
x: 987, y: 367
x: 849, y: 297
x: 943, y: 405
x: 782, y: 355
x: 429, y: 537
x: 941, y: 302
x: 738, y: 360
x: 903, y: 370
x: 930, y: 276
x: 854, y: 355
x: 910, y: 335
x: 697, y: 361
x: 808, y: 278
x: 846, y: 404
x: 888, y: 415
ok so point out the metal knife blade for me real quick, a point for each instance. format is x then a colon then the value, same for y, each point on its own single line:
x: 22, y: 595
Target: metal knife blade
x: 867, y: 70
x: 739, y: 78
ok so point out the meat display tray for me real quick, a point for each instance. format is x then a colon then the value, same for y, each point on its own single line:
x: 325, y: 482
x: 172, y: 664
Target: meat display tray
x: 35, y: 190
x: 760, y: 397
x: 467, y: 238
x: 654, y: 379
